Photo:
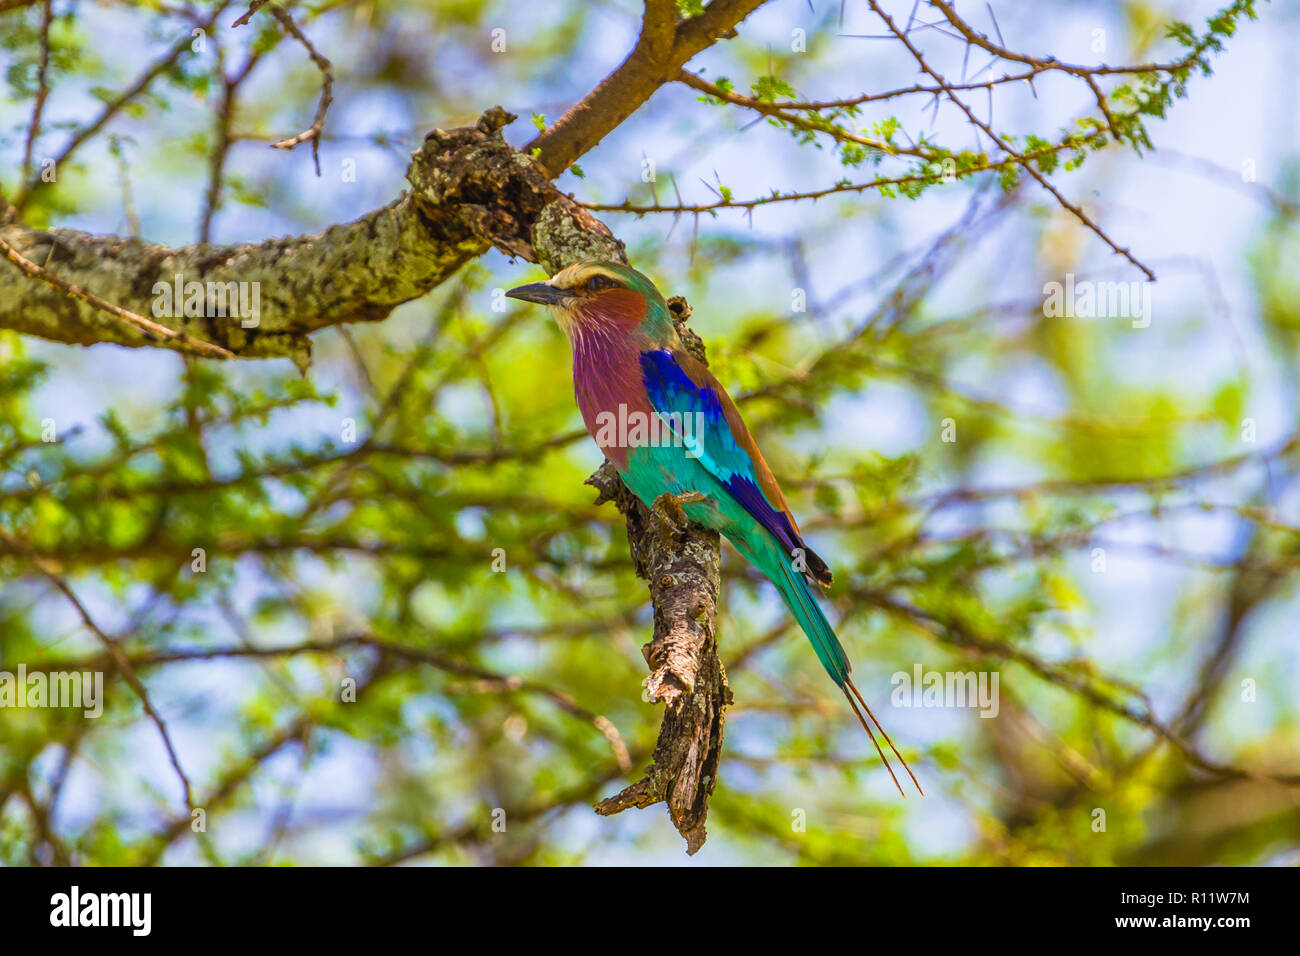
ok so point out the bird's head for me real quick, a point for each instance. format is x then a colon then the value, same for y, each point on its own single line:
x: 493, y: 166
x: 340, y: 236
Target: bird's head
x: 602, y: 294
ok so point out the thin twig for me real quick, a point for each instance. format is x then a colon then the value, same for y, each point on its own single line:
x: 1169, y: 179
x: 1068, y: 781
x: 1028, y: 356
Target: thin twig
x: 119, y: 658
x: 1006, y: 147
x: 253, y: 7
x: 42, y: 90
x: 326, y: 93
x: 114, y: 106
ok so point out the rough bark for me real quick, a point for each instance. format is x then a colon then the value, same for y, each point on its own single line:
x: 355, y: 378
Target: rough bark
x: 471, y: 190
x: 681, y: 564
x: 350, y: 273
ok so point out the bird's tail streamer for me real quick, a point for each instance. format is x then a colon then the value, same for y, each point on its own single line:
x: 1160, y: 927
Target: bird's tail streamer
x: 794, y: 589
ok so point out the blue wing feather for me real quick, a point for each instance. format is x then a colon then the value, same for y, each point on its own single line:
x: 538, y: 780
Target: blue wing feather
x: 671, y: 391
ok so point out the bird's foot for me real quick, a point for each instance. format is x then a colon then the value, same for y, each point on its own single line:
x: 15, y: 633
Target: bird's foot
x: 668, y: 515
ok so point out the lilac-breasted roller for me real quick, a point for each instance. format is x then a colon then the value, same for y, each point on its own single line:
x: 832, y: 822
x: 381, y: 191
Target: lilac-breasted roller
x: 671, y: 429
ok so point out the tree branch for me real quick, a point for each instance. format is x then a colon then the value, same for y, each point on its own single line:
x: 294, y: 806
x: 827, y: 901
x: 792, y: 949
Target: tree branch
x: 683, y: 569
x: 352, y: 273
x: 149, y: 330
x: 661, y: 51
x: 312, y: 132
x: 356, y: 272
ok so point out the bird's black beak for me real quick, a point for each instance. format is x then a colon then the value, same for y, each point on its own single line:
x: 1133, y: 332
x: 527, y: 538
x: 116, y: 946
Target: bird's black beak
x: 542, y: 292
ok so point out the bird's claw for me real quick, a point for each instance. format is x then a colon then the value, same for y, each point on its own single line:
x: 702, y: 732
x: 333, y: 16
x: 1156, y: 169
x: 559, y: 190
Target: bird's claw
x: 667, y: 511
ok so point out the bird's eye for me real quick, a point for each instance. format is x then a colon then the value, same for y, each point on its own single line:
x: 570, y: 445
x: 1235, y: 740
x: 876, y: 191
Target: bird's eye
x: 600, y: 283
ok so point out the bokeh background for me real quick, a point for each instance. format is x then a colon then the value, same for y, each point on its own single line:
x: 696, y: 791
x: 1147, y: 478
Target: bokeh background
x: 1114, y: 532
